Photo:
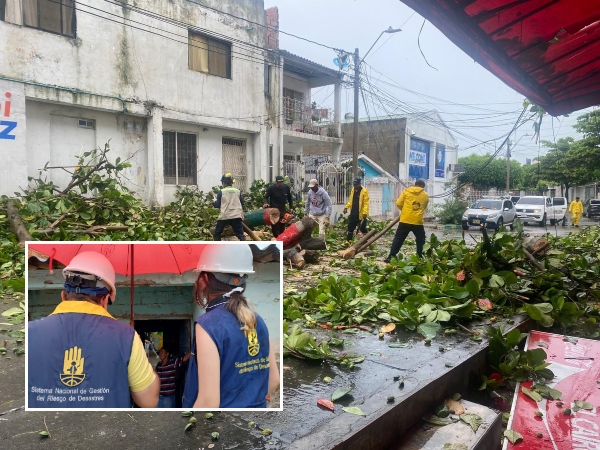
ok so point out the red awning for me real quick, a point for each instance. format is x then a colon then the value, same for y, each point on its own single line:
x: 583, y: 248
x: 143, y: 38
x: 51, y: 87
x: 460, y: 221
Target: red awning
x: 548, y: 50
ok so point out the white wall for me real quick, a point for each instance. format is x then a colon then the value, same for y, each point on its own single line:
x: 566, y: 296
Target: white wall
x: 113, y: 73
x: 436, y: 133
x: 13, y: 135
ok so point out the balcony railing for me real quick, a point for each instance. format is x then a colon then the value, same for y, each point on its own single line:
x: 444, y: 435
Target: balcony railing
x: 308, y: 118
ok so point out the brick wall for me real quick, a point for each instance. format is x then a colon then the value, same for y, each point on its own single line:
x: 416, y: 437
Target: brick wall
x: 273, y: 28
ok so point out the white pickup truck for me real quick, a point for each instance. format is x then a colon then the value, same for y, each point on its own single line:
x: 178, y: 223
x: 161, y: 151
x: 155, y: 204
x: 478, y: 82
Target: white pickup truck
x: 539, y: 209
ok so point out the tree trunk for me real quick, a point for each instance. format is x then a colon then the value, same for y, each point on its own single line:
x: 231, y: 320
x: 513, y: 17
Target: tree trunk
x: 313, y: 243
x: 311, y: 256
x: 352, y: 250
x: 295, y: 256
x: 378, y: 235
x: 16, y: 224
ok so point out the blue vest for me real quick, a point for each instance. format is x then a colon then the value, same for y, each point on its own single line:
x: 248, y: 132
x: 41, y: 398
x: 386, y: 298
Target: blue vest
x: 244, y: 361
x: 78, y: 360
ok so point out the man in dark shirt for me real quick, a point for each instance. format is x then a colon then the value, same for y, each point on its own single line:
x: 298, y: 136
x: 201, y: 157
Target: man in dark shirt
x: 166, y: 370
x: 277, y: 196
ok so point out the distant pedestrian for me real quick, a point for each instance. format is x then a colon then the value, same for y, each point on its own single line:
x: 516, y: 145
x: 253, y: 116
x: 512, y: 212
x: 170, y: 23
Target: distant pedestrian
x: 166, y: 369
x: 230, y: 202
x: 576, y: 209
x: 358, y: 204
x: 276, y: 196
x: 412, y: 203
x: 318, y: 205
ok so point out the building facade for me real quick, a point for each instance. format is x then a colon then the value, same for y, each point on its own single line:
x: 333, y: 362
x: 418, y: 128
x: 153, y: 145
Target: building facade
x: 183, y: 91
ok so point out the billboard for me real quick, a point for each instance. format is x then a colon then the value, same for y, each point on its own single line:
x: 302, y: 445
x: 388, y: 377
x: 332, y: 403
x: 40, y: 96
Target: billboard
x: 440, y: 161
x: 418, y: 159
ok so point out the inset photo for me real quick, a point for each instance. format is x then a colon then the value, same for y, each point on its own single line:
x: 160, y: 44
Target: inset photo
x: 193, y: 325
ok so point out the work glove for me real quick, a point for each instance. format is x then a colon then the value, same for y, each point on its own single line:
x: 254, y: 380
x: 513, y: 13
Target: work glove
x: 345, y: 210
x: 265, y: 205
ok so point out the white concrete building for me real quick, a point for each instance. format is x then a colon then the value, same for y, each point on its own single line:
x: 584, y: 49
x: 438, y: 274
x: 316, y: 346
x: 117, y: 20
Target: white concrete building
x: 184, y: 91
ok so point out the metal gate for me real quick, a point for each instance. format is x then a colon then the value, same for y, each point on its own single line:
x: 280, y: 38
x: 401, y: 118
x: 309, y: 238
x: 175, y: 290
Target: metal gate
x: 337, y: 181
x: 296, y: 174
x: 234, y: 161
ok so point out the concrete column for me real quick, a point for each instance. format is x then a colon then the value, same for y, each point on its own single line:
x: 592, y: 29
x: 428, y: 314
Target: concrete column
x: 336, y: 152
x: 13, y: 143
x: 337, y: 109
x: 156, y: 179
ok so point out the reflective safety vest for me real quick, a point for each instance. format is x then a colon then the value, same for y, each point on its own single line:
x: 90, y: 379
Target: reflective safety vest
x: 78, y: 360
x: 244, y: 361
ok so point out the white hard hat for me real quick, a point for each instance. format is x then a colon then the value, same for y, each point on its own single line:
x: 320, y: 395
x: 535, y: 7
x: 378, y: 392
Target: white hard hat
x: 226, y: 258
x: 94, y: 263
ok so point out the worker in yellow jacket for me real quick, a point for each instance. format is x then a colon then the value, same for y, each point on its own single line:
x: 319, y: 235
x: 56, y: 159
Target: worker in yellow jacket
x: 358, y: 204
x: 412, y: 203
x: 576, y: 209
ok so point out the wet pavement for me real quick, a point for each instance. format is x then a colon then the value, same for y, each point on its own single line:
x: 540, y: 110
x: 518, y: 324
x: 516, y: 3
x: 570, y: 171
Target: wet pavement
x: 301, y: 425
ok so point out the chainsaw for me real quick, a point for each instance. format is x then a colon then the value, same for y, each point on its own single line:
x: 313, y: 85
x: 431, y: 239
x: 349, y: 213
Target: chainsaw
x: 286, y: 217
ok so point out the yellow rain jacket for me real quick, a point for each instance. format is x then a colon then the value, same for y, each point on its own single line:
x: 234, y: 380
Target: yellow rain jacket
x: 412, y: 202
x: 576, y: 207
x: 363, y: 203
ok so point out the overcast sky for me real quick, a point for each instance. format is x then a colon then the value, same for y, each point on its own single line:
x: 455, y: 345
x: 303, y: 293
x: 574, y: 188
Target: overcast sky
x: 470, y: 99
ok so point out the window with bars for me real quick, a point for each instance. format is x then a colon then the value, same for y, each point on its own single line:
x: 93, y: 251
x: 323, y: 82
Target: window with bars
x: 268, y: 71
x: 293, y: 104
x: 55, y: 16
x: 179, y: 158
x: 209, y: 55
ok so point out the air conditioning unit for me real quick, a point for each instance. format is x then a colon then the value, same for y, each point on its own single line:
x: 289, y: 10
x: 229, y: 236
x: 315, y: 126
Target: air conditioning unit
x: 456, y: 168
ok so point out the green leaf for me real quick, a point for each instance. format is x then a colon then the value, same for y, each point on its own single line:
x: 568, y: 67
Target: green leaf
x: 12, y: 312
x: 339, y: 393
x: 533, y: 395
x: 429, y: 330
x: 215, y: 435
x: 584, y: 405
x: 455, y: 447
x: 474, y: 420
x: 435, y: 420
x: 354, y: 410
x: 513, y: 436
x: 496, y: 281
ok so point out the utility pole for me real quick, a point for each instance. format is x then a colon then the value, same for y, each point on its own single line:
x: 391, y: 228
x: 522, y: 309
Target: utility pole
x: 508, y: 165
x: 356, y: 113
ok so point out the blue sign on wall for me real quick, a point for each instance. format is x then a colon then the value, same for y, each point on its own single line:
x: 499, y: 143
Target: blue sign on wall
x: 440, y: 161
x: 418, y: 159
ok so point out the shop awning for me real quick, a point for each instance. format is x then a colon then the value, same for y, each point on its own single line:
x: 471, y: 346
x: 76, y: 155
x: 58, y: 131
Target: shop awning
x: 547, y: 50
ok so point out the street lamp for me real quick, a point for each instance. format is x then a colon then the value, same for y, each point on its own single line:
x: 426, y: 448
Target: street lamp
x: 390, y: 30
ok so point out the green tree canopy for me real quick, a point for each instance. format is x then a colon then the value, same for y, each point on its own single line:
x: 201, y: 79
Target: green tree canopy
x: 493, y: 175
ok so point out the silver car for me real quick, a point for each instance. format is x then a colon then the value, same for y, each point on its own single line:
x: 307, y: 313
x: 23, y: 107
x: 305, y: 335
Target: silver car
x: 493, y: 213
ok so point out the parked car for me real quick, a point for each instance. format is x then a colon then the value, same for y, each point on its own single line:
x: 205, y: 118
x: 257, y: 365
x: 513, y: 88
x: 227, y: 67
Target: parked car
x: 492, y: 213
x: 539, y: 209
x: 593, y: 209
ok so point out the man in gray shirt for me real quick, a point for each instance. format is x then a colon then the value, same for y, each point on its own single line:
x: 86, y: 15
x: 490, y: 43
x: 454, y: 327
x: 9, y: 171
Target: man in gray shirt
x: 318, y: 205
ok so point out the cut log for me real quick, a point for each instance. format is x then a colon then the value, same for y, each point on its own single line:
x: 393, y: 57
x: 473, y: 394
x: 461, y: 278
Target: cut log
x: 258, y: 217
x: 313, y: 243
x: 297, y: 232
x: 351, y: 251
x: 311, y: 256
x: 295, y: 255
x: 16, y: 224
x: 536, y: 246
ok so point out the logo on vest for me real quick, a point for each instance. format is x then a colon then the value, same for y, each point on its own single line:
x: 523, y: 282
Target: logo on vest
x: 72, y: 367
x: 253, y: 345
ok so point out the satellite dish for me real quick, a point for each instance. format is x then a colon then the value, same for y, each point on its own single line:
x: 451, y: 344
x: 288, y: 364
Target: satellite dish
x: 342, y: 63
